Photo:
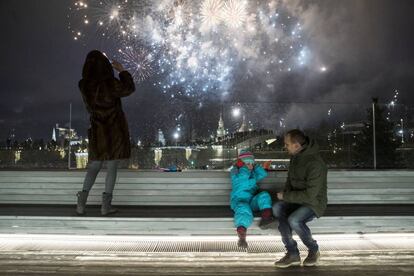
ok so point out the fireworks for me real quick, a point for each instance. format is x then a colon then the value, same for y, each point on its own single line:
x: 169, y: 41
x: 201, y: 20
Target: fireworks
x: 138, y: 61
x: 234, y: 13
x: 211, y: 13
x: 192, y: 48
x: 392, y: 103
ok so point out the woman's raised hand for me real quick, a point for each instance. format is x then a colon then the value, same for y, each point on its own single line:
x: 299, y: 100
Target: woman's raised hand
x: 117, y: 66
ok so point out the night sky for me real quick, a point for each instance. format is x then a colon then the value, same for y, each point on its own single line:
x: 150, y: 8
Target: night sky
x: 367, y: 47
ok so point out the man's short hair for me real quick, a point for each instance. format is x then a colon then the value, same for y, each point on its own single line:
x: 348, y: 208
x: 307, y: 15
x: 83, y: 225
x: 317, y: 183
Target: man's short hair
x: 297, y: 136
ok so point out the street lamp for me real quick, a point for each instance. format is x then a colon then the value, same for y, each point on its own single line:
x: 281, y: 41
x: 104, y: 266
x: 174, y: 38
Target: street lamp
x: 236, y: 112
x: 176, y: 136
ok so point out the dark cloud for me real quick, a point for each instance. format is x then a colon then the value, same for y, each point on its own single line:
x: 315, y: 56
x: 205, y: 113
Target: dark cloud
x: 361, y: 42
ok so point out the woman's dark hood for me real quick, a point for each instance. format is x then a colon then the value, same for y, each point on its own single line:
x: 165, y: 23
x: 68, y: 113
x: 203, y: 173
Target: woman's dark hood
x: 97, y: 67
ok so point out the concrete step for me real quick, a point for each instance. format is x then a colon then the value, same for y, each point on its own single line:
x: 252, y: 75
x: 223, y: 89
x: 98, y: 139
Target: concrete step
x: 191, y: 226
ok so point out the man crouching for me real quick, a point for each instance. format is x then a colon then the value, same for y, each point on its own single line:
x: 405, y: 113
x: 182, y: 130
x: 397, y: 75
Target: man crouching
x: 303, y: 198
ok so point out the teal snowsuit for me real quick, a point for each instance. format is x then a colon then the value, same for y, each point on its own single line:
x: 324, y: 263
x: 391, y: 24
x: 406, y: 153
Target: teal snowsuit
x: 244, y: 199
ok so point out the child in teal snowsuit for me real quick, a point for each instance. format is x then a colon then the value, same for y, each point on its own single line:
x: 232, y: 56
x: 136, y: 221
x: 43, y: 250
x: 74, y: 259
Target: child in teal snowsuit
x: 245, y: 199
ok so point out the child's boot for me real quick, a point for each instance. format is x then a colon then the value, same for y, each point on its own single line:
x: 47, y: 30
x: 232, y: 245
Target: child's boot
x: 242, y: 232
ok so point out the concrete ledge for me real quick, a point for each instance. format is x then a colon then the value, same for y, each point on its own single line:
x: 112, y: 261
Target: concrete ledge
x: 191, y: 226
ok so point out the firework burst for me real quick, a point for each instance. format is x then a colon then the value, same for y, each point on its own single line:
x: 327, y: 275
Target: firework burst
x: 138, y: 60
x: 234, y: 13
x: 211, y: 13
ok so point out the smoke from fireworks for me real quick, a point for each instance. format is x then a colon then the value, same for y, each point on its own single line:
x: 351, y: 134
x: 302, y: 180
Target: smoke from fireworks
x: 197, y: 44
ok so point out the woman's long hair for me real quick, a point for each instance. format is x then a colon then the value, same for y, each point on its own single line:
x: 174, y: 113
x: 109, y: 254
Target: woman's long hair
x: 97, y: 67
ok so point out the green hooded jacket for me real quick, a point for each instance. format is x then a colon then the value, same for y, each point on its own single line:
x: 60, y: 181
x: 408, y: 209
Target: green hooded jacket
x: 307, y: 179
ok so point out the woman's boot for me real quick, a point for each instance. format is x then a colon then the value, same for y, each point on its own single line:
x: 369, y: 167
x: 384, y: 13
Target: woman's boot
x: 81, y: 206
x: 107, y: 208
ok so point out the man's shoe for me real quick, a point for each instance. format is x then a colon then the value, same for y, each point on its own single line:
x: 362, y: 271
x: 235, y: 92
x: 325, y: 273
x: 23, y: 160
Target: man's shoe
x: 312, y: 259
x: 268, y: 223
x: 288, y: 260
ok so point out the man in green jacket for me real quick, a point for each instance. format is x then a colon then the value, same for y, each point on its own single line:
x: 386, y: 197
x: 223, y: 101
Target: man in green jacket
x: 303, y: 198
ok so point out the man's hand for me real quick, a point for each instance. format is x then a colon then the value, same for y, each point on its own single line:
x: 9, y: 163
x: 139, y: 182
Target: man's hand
x: 280, y: 195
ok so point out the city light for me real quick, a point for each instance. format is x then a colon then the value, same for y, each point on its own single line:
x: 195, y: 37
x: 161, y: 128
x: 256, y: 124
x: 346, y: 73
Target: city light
x: 236, y: 112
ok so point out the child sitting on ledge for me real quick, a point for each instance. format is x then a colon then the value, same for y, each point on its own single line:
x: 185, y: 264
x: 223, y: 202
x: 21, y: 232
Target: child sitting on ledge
x: 245, y: 199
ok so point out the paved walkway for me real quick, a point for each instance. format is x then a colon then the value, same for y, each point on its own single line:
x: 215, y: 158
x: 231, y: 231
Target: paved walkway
x: 374, y: 254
